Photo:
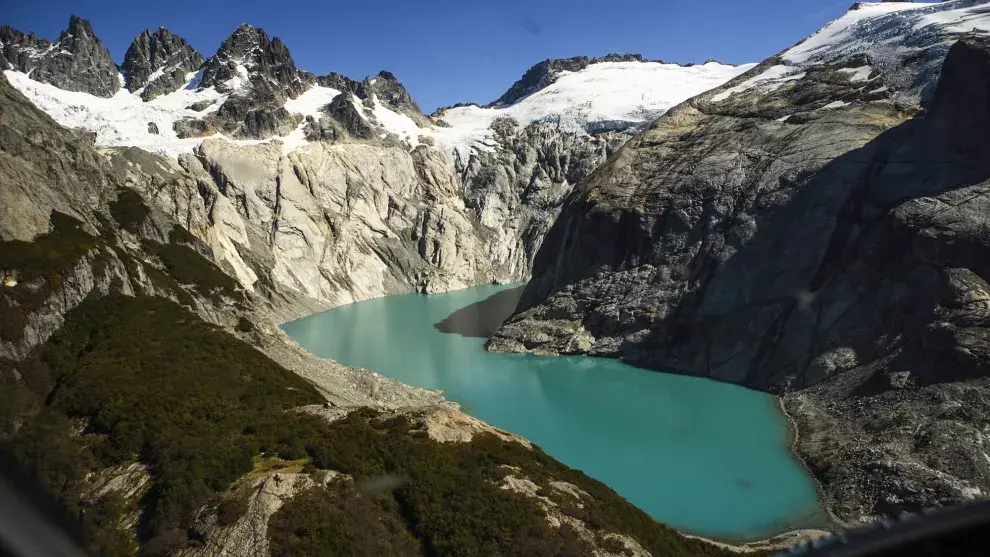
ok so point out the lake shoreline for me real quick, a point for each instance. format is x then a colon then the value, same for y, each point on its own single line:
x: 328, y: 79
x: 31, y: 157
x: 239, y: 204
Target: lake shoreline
x: 469, y: 319
x: 794, y: 438
x: 779, y: 542
x: 788, y: 538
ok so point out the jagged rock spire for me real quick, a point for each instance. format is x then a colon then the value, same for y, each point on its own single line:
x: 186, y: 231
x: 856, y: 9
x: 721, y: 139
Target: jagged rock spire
x: 77, y: 61
x: 158, y: 63
x: 248, y: 56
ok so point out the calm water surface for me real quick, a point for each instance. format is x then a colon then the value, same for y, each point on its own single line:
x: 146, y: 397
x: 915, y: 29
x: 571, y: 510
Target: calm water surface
x: 702, y: 456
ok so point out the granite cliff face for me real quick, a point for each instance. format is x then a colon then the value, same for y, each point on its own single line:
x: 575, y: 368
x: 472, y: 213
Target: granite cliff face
x: 814, y: 228
x: 515, y: 190
x: 351, y: 219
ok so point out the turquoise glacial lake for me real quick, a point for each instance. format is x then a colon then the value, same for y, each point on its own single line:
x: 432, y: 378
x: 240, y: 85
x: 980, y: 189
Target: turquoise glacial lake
x: 704, y: 457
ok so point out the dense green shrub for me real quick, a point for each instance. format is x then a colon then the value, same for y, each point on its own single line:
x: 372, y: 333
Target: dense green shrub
x: 40, y: 455
x: 162, y: 386
x: 102, y: 526
x: 128, y: 209
x: 339, y: 520
x: 450, y: 497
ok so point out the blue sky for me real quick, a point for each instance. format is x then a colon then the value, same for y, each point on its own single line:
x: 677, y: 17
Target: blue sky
x: 448, y: 51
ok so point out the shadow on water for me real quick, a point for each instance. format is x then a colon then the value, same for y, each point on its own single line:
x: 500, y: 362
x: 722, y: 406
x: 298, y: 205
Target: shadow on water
x: 481, y: 319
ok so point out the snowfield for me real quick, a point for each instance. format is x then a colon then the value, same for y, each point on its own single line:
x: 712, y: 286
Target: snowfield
x: 619, y: 94
x: 311, y: 101
x: 771, y: 79
x: 122, y: 120
x: 626, y: 93
x: 874, y: 24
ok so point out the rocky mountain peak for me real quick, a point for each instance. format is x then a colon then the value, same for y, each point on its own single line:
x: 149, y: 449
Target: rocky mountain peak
x: 385, y: 86
x: 158, y: 63
x: 389, y: 91
x: 78, y: 27
x: 16, y: 47
x: 77, y: 61
x: 959, y: 109
x: 248, y: 56
x: 339, y: 82
x: 259, y: 75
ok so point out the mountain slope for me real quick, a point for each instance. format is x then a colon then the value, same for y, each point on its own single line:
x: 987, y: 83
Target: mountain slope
x: 814, y: 222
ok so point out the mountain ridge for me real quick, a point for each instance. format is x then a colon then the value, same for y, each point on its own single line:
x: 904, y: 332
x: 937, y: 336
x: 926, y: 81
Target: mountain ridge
x: 163, y: 43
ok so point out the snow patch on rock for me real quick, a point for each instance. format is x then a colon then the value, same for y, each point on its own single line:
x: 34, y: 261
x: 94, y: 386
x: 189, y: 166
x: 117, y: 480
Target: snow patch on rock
x: 311, y: 101
x: 770, y: 80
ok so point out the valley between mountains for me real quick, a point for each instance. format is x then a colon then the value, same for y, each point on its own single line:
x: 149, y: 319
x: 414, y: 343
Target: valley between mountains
x: 811, y: 226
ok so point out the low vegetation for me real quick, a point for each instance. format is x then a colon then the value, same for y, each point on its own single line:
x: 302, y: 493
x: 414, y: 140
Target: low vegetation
x: 450, y: 499
x: 41, y: 455
x: 149, y: 381
x: 340, y: 520
x: 187, y: 398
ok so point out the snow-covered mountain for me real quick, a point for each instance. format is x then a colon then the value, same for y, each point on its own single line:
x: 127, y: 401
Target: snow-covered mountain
x: 605, y: 95
x: 882, y: 36
x: 250, y: 90
x: 348, y: 189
